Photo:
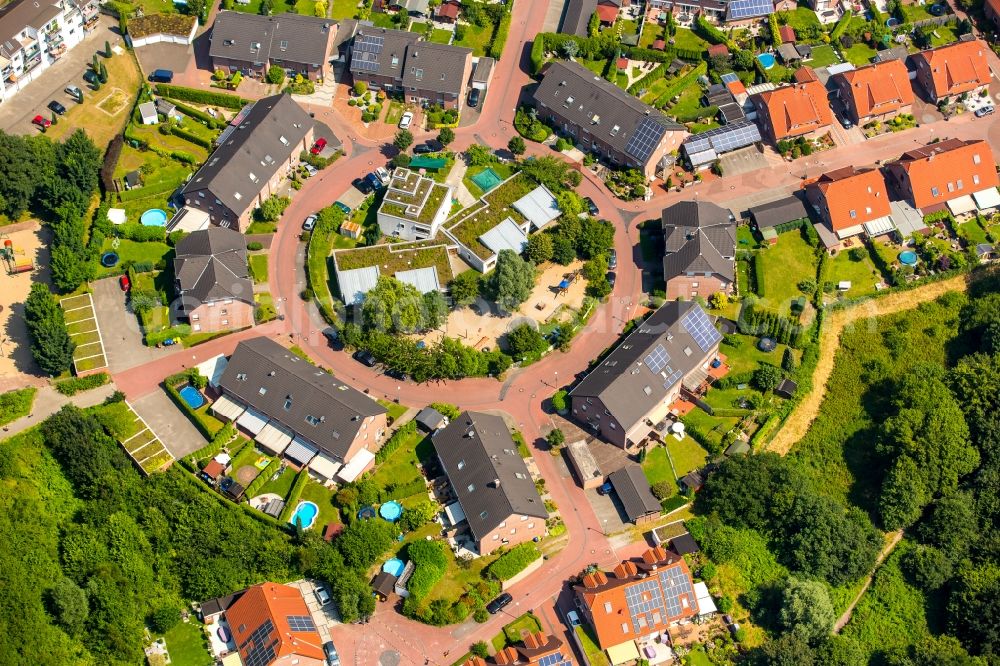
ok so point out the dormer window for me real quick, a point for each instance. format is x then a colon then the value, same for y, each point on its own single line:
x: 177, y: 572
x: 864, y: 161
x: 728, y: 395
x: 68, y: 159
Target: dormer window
x: 283, y: 140
x: 418, y: 74
x: 254, y: 47
x: 312, y: 420
x: 615, y: 130
x: 262, y: 390
x: 237, y: 196
x: 254, y: 177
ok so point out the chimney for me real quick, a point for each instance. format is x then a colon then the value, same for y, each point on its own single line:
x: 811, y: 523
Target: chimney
x: 496, y: 483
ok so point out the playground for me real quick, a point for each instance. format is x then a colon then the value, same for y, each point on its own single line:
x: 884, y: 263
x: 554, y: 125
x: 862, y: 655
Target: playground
x: 26, y: 251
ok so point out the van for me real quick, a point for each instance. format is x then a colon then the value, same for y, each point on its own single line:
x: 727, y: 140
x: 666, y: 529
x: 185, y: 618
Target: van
x: 161, y: 76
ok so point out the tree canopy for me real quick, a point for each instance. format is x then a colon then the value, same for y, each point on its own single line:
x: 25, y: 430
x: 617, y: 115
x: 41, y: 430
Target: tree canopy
x: 512, y: 280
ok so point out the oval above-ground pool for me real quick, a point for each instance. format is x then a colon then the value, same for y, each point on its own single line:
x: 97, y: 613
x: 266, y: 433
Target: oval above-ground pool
x: 767, y: 60
x: 305, y: 514
x: 391, y: 511
x: 394, y: 566
x: 192, y: 396
x: 154, y: 217
x: 908, y: 257
x: 109, y: 259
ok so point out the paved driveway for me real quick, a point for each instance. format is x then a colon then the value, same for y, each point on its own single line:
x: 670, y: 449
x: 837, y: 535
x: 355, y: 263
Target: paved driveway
x: 169, y: 423
x: 174, y: 57
x: 120, y: 328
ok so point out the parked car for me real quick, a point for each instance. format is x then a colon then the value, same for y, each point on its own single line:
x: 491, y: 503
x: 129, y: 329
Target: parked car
x: 612, y: 259
x: 332, y: 336
x: 318, y: 146
x: 383, y: 175
x: 497, y: 604
x: 984, y: 111
x: 474, y: 97
x: 322, y: 596
x: 374, y: 181
x: 310, y: 223
x: 364, y: 356
x: 396, y: 374
x: 573, y: 619
x: 611, y: 277
x: 311, y: 170
x: 591, y: 206
x: 74, y: 92
x: 161, y: 76
x: 56, y: 107
x: 124, y: 283
x: 332, y: 658
x: 90, y: 76
x: 362, y: 185
x: 426, y: 147
x: 605, y: 488
x: 405, y: 121
x: 342, y: 206
x: 41, y: 123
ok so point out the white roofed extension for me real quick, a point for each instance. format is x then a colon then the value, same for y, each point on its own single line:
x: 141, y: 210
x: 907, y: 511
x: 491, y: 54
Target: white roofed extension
x: 228, y: 408
x: 356, y: 465
x: 538, y: 206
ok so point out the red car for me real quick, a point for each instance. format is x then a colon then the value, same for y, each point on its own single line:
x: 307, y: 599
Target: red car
x: 42, y: 123
x: 318, y: 146
x: 124, y: 283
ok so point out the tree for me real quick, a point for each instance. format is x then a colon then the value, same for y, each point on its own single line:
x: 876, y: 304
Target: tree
x: 512, y: 280
x: 788, y: 360
x: 143, y: 301
x: 903, y: 496
x: 51, y: 346
x: 164, y: 618
x: 418, y: 515
x: 273, y: 207
x: 266, y: 6
x: 446, y: 136
x: 766, y: 377
x: 555, y: 438
x: 465, y: 287
x: 394, y: 307
x: 806, y: 610
x: 275, y: 75
x: 927, y: 567
x: 516, y: 145
x: 563, y: 250
x: 193, y: 8
x: 718, y: 300
x: 102, y: 76
x: 360, y: 88
x: 952, y: 525
x: 569, y: 203
x: 570, y: 48
x: 743, y: 60
x: 596, y: 238
x: 857, y: 254
x: 477, y: 155
x: 107, y: 49
x: 403, y: 139
x: 435, y: 309
x: 480, y: 649
x: 524, y: 340
x: 539, y: 249
x: 821, y: 539
x: 788, y: 650
x: 69, y: 606
x: 973, y: 607
x: 400, y: 160
x: 840, y: 650
x: 364, y: 541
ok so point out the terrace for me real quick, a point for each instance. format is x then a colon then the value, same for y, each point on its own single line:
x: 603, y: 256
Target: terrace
x: 413, y: 197
x: 470, y: 223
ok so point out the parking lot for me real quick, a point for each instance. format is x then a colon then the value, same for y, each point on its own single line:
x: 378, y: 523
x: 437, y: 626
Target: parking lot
x: 123, y: 344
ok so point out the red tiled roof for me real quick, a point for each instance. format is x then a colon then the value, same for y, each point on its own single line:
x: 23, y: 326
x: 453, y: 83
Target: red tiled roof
x: 214, y: 469
x: 718, y: 49
x: 956, y: 68
x: 951, y: 168
x: 994, y: 7
x: 787, y: 34
x: 270, y: 601
x: 877, y: 89
x: 796, y: 109
x: 448, y: 10
x: 805, y: 75
x: 607, y: 13
x: 622, y: 63
x: 737, y: 88
x: 332, y: 530
x: 660, y: 45
x: 852, y: 197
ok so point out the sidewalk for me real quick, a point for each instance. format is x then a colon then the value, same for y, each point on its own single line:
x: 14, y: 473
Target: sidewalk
x: 48, y: 401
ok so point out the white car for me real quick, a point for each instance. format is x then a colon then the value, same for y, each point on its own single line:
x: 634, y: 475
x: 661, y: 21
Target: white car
x: 322, y: 596
x: 405, y: 121
x: 383, y: 175
x: 309, y: 223
x: 311, y: 170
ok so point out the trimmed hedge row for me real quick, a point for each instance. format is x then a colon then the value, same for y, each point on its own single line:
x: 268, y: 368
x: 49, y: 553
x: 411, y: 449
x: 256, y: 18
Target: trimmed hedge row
x: 147, y: 191
x: 262, y: 478
x: 293, y: 495
x: 75, y: 385
x: 210, y: 450
x: 683, y: 82
x: 500, y: 37
x: 209, y: 98
x: 213, y: 123
x: 514, y: 561
x: 430, y: 564
x: 406, y: 430
x: 171, y: 383
x: 841, y: 26
x: 758, y: 277
x: 182, y: 133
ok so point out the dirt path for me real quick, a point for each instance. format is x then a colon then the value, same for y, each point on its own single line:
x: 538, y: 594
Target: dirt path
x: 894, y: 539
x: 796, y: 426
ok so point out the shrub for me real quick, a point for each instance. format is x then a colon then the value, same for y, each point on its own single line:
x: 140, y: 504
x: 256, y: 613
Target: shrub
x: 15, y: 404
x: 559, y: 401
x: 75, y: 385
x: 447, y: 409
x: 408, y: 429
x: 430, y: 564
x: 209, y: 98
x: 253, y: 246
x: 513, y: 561
x: 293, y: 496
x: 275, y: 75
x: 662, y: 490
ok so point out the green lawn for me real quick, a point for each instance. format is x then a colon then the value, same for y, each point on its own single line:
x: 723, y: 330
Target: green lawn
x: 188, y: 645
x: 973, y: 232
x: 476, y: 38
x: 400, y: 469
x: 418, y: 26
x: 686, y: 40
x: 698, y: 657
x: 714, y: 427
x: 800, y: 18
x: 823, y: 56
x: 785, y: 264
x: 943, y: 34
x: 859, y: 54
x: 440, y: 36
x: 690, y: 101
x: 651, y: 32
x: 258, y: 268
x: 504, y: 171
x: 342, y: 9
x: 131, y: 251
x: 381, y: 20
x: 687, y: 455
x: 745, y: 357
x: 395, y: 409
x: 657, y: 468
x: 594, y: 654
x: 596, y: 66
x: 281, y: 486
x: 323, y: 498
x: 394, y: 113
x: 262, y: 228
x: 915, y: 13
x: 15, y: 404
x: 861, y: 274
x: 526, y: 623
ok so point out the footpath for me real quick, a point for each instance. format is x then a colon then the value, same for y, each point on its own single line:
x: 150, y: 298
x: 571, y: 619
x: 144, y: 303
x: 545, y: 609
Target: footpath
x: 48, y: 401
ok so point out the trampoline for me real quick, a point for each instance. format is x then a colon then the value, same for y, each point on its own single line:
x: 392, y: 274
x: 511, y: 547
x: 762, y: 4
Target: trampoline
x: 391, y: 511
x: 154, y: 217
x: 767, y: 344
x: 109, y: 259
x: 767, y: 60
x: 908, y: 258
x: 487, y: 180
x: 891, y: 22
x: 394, y: 566
x: 366, y: 513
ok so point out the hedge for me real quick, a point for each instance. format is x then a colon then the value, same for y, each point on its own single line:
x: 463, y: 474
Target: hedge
x: 841, y: 26
x: 710, y: 33
x: 179, y: 331
x: 16, y: 404
x: 683, y: 82
x: 788, y: 226
x: 656, y: 73
x: 537, y: 56
x: 430, y: 564
x: 148, y: 191
x: 210, y: 450
x: 188, y: 136
x: 140, y: 233
x: 514, y: 561
x: 293, y: 495
x: 765, y: 431
x: 406, y: 430
x: 758, y: 277
x: 213, y: 123
x: 262, y: 478
x: 75, y: 385
x: 209, y: 98
x: 500, y: 36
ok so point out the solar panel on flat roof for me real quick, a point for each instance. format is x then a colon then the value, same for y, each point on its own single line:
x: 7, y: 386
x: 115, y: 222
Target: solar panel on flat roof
x: 729, y: 77
x: 657, y: 359
x: 697, y: 323
x: 723, y: 139
x: 645, y: 138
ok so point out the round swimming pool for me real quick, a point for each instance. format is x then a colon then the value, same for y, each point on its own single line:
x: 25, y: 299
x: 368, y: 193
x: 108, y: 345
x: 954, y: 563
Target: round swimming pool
x: 154, y: 217
x: 767, y: 60
x: 305, y: 514
x: 908, y: 258
x: 394, y: 566
x: 391, y: 511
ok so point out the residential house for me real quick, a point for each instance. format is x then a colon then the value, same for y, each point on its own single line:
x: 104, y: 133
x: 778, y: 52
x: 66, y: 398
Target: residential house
x: 992, y: 11
x: 536, y: 649
x: 713, y: 10
x: 797, y: 110
x: 953, y: 70
x: 35, y: 34
x: 946, y: 173
x: 448, y: 12
x: 271, y: 626
x: 828, y: 11
x: 414, y: 206
x: 632, y: 488
x: 576, y: 17
x: 491, y: 481
x: 396, y: 61
x: 638, y: 599
x: 875, y: 92
x: 700, y: 249
x: 631, y: 390
x: 852, y: 201
x: 250, y: 44
x: 294, y: 409
x: 604, y: 119
x: 747, y: 12
x: 607, y: 12
x: 212, y: 280
x: 254, y: 154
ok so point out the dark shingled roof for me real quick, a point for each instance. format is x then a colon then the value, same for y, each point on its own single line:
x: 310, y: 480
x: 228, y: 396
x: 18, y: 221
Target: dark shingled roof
x: 684, y: 544
x: 305, y: 38
x: 778, y: 212
x: 384, y: 583
x: 632, y: 488
x: 488, y: 474
x: 211, y: 265
x: 436, y: 67
x: 621, y: 380
x: 593, y: 97
x: 264, y: 375
x: 430, y: 419
x: 700, y: 237
x: 375, y: 48
x: 220, y: 604
x: 577, y: 17
x: 268, y: 133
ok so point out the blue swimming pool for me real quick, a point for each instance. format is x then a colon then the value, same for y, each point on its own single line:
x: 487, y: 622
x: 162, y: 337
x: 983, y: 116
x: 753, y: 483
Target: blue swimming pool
x: 305, y: 514
x: 394, y: 566
x: 391, y: 511
x: 767, y: 60
x: 908, y: 257
x: 154, y: 217
x: 192, y: 397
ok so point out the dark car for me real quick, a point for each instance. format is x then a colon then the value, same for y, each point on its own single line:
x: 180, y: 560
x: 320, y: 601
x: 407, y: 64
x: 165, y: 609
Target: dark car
x: 611, y: 277
x: 431, y: 146
x: 366, y: 357
x: 57, y: 107
x: 90, y: 76
x: 846, y: 123
x: 612, y: 259
x: 474, y: 97
x: 363, y: 185
x: 161, y: 76
x: 374, y: 181
x: 605, y: 488
x: 332, y: 336
x: 591, y: 206
x: 396, y: 374
x: 332, y: 658
x: 497, y: 604
x: 344, y: 208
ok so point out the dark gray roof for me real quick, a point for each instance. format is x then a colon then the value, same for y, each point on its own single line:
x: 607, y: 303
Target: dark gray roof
x: 264, y: 375
x: 484, y: 67
x: 436, y: 67
x: 211, y: 265
x: 251, y: 153
x: 778, y: 212
x: 700, y: 237
x: 488, y: 474
x: 684, y: 544
x: 220, y: 604
x: 627, y: 385
x: 577, y: 17
x: 731, y: 113
x: 574, y: 92
x: 291, y: 38
x: 384, y: 583
x: 380, y: 51
x: 430, y: 419
x: 632, y: 488
x: 346, y: 29
x: 17, y: 15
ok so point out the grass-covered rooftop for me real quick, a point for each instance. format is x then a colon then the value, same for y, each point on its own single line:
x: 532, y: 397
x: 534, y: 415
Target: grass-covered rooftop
x: 413, y: 197
x: 470, y: 223
x: 397, y: 257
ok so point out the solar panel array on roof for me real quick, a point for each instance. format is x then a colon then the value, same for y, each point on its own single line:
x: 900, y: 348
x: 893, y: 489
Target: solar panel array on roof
x: 641, y: 598
x: 556, y: 659
x: 697, y: 323
x: 729, y: 77
x: 744, y: 9
x: 674, y: 584
x: 672, y: 378
x: 645, y: 139
x: 301, y: 623
x: 368, y: 44
x: 262, y: 653
x: 657, y: 359
x: 735, y: 135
